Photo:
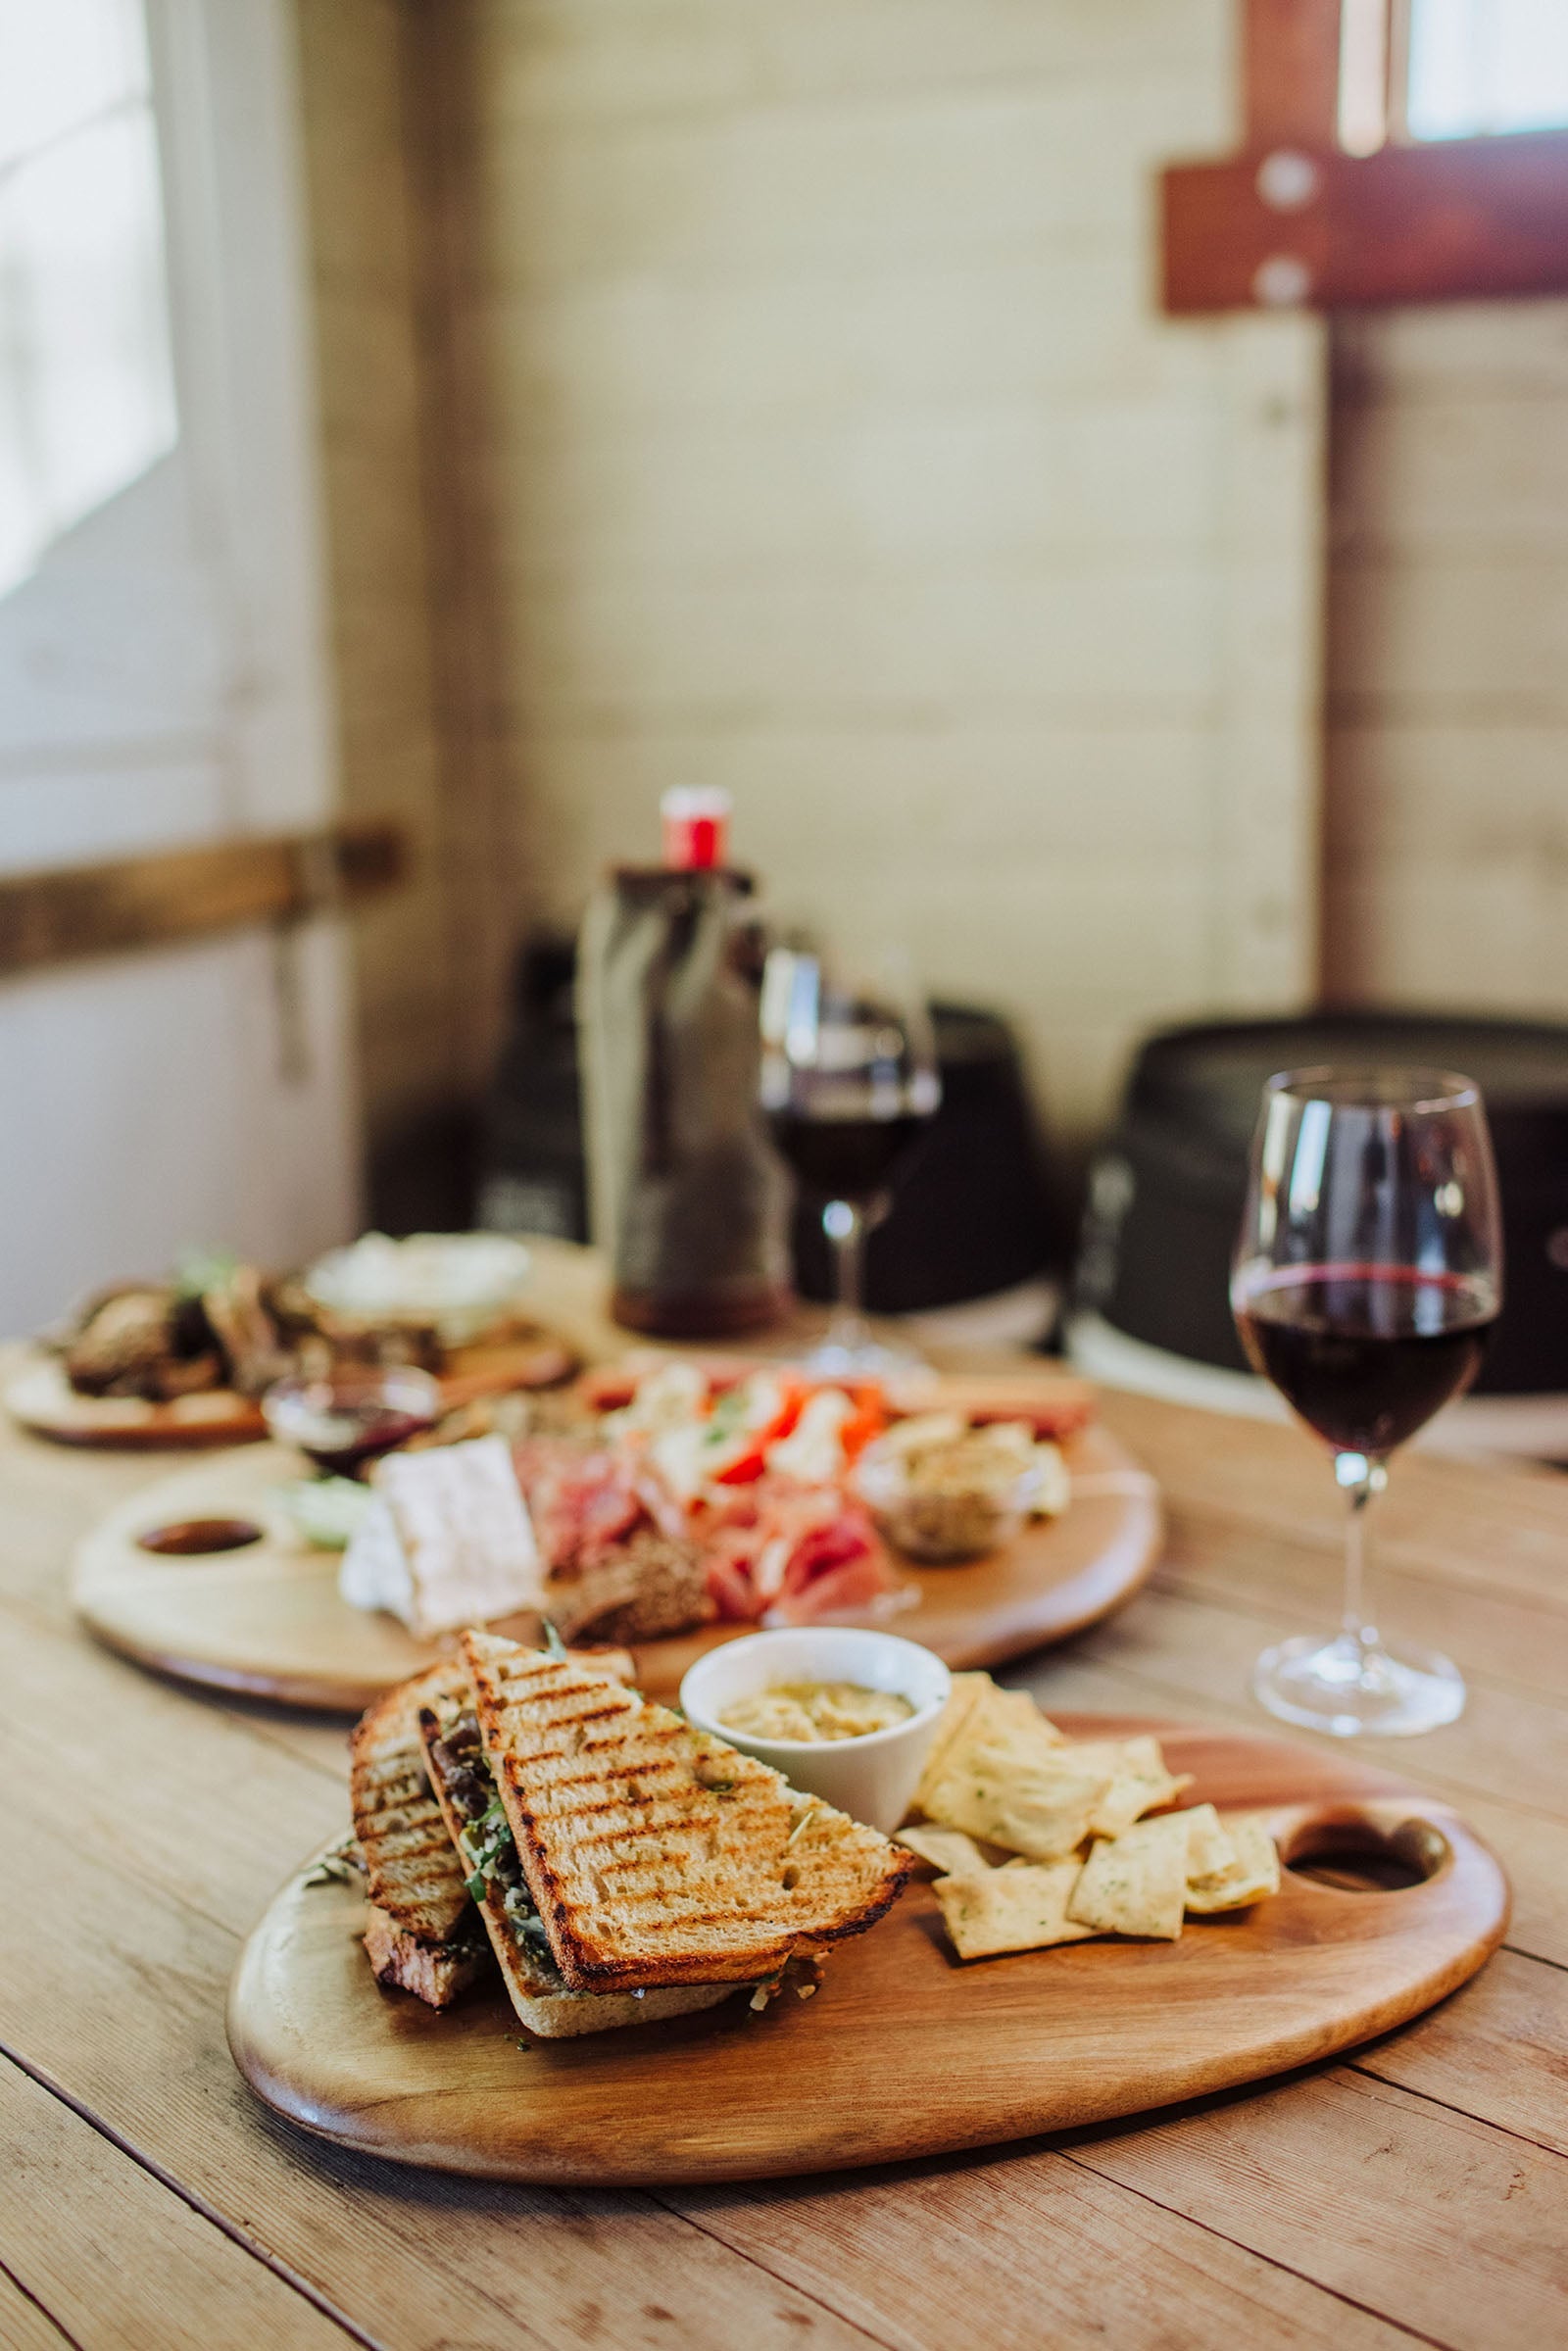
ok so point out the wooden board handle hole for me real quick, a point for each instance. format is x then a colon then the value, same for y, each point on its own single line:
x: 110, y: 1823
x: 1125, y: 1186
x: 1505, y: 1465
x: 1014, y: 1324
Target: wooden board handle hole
x: 1356, y: 1851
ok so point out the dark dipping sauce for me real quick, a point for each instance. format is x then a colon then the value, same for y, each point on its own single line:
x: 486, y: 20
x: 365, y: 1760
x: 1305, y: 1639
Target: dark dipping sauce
x: 1366, y: 1354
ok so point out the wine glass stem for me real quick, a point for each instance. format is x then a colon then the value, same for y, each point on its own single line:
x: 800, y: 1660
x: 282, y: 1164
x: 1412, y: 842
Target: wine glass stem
x: 845, y: 1226
x: 1361, y: 1480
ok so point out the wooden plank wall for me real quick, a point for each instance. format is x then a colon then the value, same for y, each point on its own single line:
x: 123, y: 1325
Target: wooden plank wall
x: 837, y: 454
x: 1447, y: 818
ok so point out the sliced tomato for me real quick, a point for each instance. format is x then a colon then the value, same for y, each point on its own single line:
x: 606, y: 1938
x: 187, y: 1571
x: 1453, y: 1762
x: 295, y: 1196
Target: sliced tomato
x: 744, y: 1469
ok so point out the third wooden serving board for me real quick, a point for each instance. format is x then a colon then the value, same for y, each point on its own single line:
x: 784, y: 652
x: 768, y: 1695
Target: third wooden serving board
x: 905, y: 2052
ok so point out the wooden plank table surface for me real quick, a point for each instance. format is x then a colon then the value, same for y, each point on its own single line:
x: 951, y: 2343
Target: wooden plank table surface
x: 1410, y: 2194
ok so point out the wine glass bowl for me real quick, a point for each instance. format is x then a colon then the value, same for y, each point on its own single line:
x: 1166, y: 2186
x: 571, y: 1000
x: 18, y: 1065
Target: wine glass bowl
x: 849, y: 1084
x: 1368, y: 1274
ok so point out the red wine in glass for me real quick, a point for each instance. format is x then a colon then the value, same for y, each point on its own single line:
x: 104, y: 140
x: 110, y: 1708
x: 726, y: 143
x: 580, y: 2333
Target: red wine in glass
x: 1367, y: 1354
x: 849, y: 1083
x: 846, y: 1157
x: 1368, y: 1274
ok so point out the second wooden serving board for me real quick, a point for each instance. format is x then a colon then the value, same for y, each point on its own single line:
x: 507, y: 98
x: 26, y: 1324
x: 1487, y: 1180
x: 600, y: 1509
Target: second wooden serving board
x: 265, y: 1618
x: 903, y: 2052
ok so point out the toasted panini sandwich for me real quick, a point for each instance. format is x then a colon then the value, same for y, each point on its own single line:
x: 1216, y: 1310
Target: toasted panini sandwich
x: 625, y: 1866
x: 424, y: 1933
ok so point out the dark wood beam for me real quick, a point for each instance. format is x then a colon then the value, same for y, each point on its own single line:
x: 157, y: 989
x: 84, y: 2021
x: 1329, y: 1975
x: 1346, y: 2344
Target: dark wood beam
x: 74, y: 913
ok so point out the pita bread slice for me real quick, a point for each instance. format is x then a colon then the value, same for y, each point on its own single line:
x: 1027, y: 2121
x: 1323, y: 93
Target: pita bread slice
x: 1021, y: 1908
x: 1136, y: 1884
x: 1254, y: 1872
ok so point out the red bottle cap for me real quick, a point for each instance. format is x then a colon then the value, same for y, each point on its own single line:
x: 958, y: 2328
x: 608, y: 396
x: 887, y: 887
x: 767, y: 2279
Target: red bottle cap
x: 696, y: 827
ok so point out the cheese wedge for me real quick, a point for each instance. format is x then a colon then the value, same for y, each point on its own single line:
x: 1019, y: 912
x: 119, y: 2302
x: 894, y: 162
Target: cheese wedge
x: 446, y: 1541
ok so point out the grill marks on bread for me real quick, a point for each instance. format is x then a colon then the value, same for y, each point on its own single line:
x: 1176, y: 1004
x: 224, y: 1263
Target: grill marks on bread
x: 414, y: 1873
x: 655, y: 1854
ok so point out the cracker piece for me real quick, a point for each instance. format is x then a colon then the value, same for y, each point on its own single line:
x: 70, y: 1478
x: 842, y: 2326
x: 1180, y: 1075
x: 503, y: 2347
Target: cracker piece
x: 1011, y: 1715
x: 1021, y: 1908
x: 1140, y: 1779
x: 949, y: 1851
x: 1039, y: 1807
x: 1136, y: 1884
x: 1209, y: 1847
x: 1255, y: 1873
x: 965, y: 1697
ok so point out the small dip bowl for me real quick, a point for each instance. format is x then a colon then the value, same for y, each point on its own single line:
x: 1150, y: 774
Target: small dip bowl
x: 343, y: 1422
x: 871, y: 1778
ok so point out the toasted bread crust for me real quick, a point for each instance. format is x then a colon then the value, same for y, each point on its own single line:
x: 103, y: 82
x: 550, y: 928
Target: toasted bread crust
x: 654, y: 1854
x: 413, y: 1872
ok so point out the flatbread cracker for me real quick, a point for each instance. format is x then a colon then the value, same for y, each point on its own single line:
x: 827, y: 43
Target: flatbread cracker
x: 1255, y: 1873
x: 949, y: 1851
x: 1021, y: 1908
x: 1136, y: 1884
x: 1140, y: 1779
x: 1039, y: 1808
x: 1209, y: 1847
x: 964, y: 1697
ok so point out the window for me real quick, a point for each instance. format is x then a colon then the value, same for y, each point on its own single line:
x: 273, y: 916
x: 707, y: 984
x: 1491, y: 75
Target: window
x: 86, y: 380
x: 1479, y: 67
x: 1372, y: 169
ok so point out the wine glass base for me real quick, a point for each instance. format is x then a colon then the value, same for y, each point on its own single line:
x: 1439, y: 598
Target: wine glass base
x: 1351, y: 1691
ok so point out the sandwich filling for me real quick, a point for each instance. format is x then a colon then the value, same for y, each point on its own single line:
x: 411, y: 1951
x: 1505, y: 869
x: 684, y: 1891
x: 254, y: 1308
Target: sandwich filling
x: 485, y: 1841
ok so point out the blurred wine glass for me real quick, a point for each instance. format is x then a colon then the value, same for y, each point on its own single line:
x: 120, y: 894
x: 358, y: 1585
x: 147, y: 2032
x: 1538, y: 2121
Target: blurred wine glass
x: 849, y: 1084
x: 1368, y: 1275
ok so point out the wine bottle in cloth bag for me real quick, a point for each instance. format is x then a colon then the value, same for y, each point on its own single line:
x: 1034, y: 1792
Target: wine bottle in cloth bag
x: 685, y: 1197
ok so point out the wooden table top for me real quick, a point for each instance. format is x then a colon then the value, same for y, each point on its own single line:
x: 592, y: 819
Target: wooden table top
x: 1410, y: 2194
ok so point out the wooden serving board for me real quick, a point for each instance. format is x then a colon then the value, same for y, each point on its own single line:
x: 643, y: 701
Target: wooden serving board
x: 267, y: 1620
x: 44, y: 1401
x: 903, y: 2052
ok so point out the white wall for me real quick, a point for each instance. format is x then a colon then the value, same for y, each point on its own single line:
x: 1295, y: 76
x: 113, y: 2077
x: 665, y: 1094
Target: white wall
x: 838, y: 455
x: 1446, y: 875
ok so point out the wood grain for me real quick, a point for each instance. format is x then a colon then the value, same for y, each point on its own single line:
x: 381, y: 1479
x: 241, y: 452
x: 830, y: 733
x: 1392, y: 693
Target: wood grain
x: 81, y: 911
x: 185, y: 1810
x: 267, y: 1620
x: 114, y: 2256
x: 923, y: 2056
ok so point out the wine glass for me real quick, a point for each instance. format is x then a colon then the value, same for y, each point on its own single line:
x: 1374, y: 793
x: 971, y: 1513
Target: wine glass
x: 848, y: 1082
x: 1367, y: 1277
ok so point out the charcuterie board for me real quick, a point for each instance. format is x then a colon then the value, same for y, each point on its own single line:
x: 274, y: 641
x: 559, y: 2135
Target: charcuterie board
x: 263, y: 1615
x: 905, y: 2052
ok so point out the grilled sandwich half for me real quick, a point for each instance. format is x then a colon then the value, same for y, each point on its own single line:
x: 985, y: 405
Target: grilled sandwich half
x: 653, y: 1856
x: 424, y: 1934
x: 460, y: 1772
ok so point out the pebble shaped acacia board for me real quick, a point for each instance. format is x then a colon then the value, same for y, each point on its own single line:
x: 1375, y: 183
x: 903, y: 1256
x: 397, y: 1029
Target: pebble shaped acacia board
x: 268, y: 1621
x: 903, y: 2052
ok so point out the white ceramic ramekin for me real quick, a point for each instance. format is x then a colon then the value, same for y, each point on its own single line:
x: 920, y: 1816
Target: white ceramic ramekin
x: 871, y: 1778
